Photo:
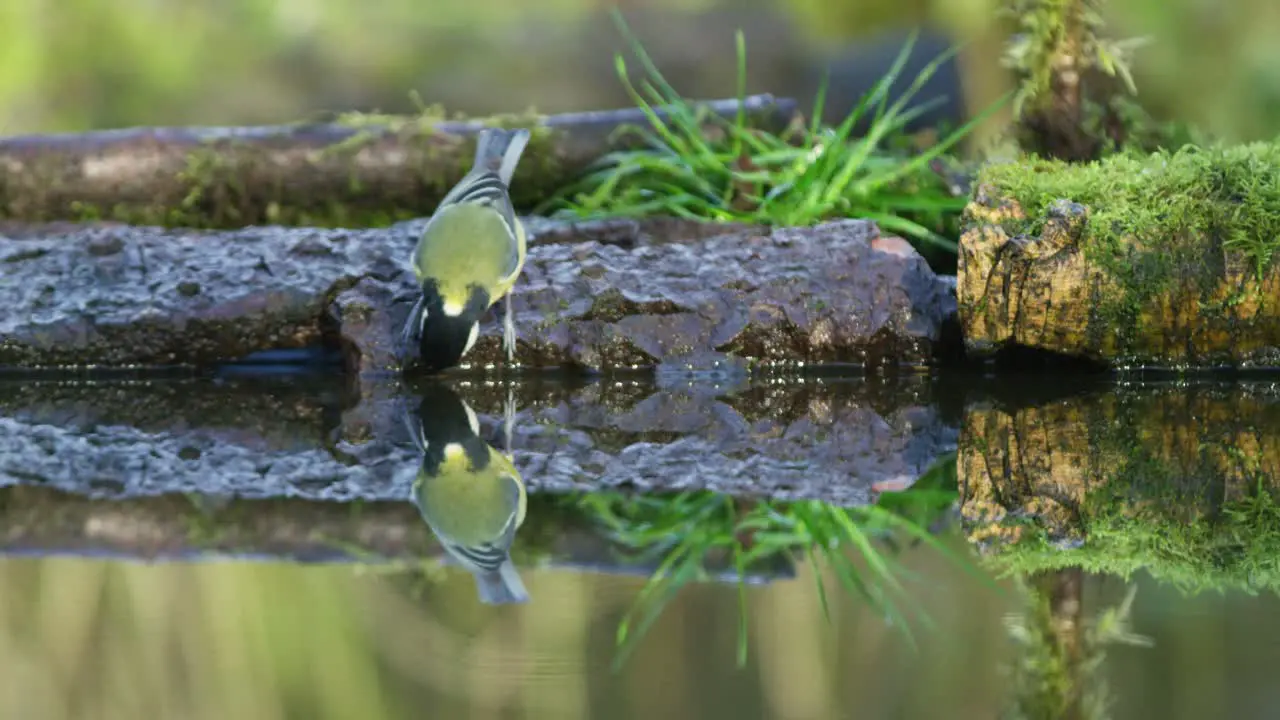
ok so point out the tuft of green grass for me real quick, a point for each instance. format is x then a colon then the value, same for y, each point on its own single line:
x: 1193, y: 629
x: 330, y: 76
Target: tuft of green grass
x: 702, y: 166
x: 688, y: 528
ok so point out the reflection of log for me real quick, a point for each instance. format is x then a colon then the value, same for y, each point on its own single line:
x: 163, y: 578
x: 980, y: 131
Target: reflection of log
x: 1179, y: 480
x: 1128, y: 262
x: 595, y: 295
x: 245, y: 438
x: 265, y: 413
x: 42, y: 521
x: 376, y: 169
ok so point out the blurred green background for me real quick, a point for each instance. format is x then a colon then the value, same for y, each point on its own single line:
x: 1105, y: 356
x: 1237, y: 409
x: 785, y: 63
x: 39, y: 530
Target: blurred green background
x: 260, y: 641
x: 69, y: 65
x: 87, y: 639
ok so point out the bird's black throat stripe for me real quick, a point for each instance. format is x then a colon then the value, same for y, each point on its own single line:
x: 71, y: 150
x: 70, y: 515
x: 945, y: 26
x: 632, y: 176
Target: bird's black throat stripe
x: 442, y: 338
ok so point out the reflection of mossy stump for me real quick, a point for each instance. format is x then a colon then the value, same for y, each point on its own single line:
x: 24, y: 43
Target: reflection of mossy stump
x: 1161, y: 260
x: 1181, y: 481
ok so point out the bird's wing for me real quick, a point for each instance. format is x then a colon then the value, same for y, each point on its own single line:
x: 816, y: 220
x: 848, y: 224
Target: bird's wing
x: 413, y: 425
x: 485, y: 187
x: 512, y: 491
x: 412, y: 330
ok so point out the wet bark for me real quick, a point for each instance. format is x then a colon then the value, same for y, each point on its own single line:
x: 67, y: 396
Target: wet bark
x: 363, y: 173
x: 273, y: 437
x: 678, y: 296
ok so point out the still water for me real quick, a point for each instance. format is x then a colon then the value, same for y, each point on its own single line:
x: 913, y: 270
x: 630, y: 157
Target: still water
x: 960, y: 510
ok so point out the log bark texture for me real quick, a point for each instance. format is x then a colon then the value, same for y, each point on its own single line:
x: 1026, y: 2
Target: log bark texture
x: 44, y: 522
x: 593, y: 295
x: 333, y: 174
x: 1181, y: 299
x: 272, y: 437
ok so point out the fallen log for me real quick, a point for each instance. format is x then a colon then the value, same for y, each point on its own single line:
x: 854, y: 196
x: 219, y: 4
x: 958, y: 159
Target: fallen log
x: 361, y: 172
x: 1176, y: 479
x: 1158, y: 261
x: 594, y: 296
x: 44, y: 522
x: 110, y: 440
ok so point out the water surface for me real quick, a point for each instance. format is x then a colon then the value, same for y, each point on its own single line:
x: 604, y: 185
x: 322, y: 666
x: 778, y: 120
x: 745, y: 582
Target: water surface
x: 1014, y: 516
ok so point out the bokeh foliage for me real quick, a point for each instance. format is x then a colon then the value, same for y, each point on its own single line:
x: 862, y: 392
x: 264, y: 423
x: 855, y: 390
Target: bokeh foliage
x: 78, y: 64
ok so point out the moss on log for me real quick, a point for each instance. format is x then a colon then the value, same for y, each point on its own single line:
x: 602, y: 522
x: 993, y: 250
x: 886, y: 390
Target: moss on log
x: 360, y: 171
x: 1178, y: 480
x: 1163, y: 260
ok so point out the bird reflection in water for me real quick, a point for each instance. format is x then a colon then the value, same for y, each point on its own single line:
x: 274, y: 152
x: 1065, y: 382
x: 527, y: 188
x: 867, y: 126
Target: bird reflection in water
x: 469, y: 492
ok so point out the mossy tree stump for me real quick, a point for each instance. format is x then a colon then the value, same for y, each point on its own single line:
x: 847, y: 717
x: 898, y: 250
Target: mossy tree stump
x: 1164, y: 260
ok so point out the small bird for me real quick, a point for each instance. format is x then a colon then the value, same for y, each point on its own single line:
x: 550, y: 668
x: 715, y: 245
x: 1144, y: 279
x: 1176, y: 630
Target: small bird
x: 469, y: 493
x: 469, y: 256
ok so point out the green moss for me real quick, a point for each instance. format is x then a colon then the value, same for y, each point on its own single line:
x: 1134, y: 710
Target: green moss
x: 540, y: 160
x: 1156, y: 219
x: 1190, y: 498
x: 215, y: 194
x: 1236, y: 548
x: 1160, y: 202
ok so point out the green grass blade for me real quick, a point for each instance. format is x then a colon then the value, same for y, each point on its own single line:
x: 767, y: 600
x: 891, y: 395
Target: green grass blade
x: 686, y: 121
x: 894, y: 223
x: 645, y: 61
x: 742, y: 605
x: 921, y: 162
x: 822, y: 585
x: 819, y: 102
x: 740, y: 121
x: 652, y: 611
x: 676, y: 144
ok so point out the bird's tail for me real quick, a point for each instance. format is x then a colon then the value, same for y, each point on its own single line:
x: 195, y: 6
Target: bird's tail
x: 499, y: 150
x: 502, y: 586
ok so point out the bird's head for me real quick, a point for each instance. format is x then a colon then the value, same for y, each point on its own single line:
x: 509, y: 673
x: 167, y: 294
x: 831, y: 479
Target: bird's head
x: 444, y: 327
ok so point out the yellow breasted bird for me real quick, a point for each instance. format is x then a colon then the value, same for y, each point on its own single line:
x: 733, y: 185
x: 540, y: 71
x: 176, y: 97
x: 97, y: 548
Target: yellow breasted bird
x: 469, y: 493
x: 469, y: 256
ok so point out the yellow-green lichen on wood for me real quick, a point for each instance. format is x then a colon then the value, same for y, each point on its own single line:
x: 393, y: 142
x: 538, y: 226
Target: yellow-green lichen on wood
x: 1163, y: 259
